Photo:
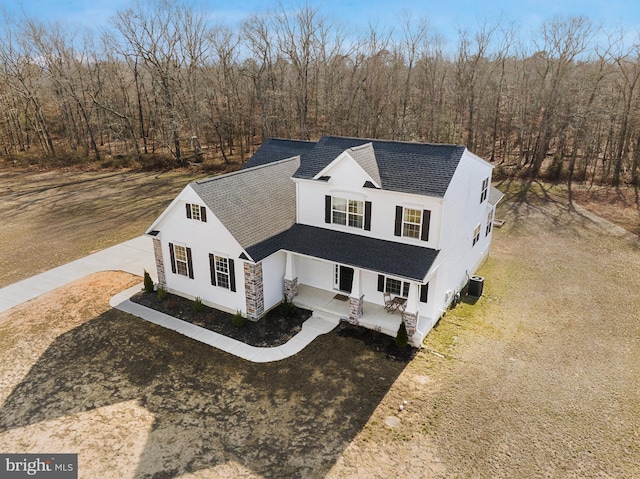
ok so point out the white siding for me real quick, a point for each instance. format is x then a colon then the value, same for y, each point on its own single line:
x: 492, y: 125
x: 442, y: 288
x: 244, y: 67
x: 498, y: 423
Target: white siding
x: 203, y: 238
x: 462, y: 212
x: 273, y: 270
x: 311, y: 205
x: 316, y: 273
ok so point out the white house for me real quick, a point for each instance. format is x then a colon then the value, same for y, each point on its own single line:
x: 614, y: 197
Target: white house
x: 353, y: 217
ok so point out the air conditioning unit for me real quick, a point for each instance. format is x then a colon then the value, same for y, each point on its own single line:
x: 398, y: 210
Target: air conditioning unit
x: 476, y: 283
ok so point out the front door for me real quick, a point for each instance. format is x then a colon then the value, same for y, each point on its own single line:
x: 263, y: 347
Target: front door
x: 345, y: 280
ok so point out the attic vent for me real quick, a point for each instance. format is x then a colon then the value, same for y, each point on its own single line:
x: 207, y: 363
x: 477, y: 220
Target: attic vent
x: 154, y: 233
x: 368, y: 184
x: 324, y: 178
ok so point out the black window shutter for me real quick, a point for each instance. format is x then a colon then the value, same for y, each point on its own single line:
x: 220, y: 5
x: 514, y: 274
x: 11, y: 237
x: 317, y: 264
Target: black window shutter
x: 367, y: 215
x: 327, y: 209
x: 188, y: 205
x: 405, y: 289
x: 232, y: 275
x: 212, y: 267
x: 203, y: 213
x: 173, y: 258
x: 424, y: 293
x: 426, y: 220
x: 189, y: 263
x: 398, y: 230
x: 381, y: 283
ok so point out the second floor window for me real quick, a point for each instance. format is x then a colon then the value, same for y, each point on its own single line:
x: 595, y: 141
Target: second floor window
x: 412, y: 223
x: 485, y: 190
x: 347, y: 212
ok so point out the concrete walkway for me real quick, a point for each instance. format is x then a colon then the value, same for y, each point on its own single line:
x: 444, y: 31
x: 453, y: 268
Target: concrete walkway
x: 311, y: 329
x: 135, y: 256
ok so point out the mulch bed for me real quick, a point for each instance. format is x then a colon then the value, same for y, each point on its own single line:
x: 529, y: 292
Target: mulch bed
x: 377, y: 341
x: 271, y: 330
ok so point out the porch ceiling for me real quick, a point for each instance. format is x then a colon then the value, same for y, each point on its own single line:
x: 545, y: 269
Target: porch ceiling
x: 381, y: 256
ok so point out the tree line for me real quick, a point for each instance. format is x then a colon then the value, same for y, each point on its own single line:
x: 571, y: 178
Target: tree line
x: 164, y: 81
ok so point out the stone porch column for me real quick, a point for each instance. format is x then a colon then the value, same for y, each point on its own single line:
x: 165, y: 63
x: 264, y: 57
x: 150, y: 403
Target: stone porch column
x: 157, y: 252
x: 412, y: 311
x: 290, y: 278
x: 254, y: 290
x: 356, y: 299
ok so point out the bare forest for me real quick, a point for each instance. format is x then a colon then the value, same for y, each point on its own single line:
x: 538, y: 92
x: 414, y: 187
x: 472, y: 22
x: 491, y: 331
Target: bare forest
x: 165, y: 83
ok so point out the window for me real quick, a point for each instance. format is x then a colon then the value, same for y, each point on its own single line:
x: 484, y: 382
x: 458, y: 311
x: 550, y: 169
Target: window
x: 196, y: 212
x: 181, y: 262
x: 393, y: 286
x: 343, y: 211
x: 485, y: 190
x: 412, y: 219
x: 489, y: 223
x: 222, y: 272
x: 412, y: 223
x: 476, y: 235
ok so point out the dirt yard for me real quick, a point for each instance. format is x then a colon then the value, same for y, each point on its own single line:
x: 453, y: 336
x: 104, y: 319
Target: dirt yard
x: 539, y: 378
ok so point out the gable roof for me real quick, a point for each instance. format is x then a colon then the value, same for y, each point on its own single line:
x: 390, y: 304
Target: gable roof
x: 382, y: 256
x: 365, y: 156
x: 276, y: 149
x: 254, y: 203
x: 418, y: 168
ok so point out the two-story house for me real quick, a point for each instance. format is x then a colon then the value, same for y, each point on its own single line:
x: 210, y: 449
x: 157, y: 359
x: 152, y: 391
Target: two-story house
x: 366, y: 220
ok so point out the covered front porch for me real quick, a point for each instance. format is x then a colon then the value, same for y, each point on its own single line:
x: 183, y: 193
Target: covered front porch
x: 336, y: 304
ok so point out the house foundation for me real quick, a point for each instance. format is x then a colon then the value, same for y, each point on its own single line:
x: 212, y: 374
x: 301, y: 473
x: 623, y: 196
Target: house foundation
x: 254, y: 289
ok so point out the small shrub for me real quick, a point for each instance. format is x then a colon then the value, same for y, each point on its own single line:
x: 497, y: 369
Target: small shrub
x: 287, y: 308
x: 197, y: 305
x: 148, y: 283
x: 402, y: 338
x: 238, y: 320
x: 162, y: 294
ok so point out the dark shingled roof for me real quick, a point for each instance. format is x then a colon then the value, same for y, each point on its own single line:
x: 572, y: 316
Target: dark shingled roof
x: 276, y: 149
x: 418, y: 168
x: 387, y: 257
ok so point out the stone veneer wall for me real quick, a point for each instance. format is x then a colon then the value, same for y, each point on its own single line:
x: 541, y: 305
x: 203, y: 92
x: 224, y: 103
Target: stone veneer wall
x: 291, y: 288
x: 356, y: 309
x: 157, y: 252
x: 410, y: 322
x: 254, y: 290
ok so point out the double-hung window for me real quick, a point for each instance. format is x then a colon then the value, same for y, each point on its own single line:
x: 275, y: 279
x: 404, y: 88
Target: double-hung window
x: 181, y: 262
x: 476, y: 235
x: 348, y: 212
x: 412, y: 223
x: 489, y: 223
x: 485, y: 190
x: 222, y: 272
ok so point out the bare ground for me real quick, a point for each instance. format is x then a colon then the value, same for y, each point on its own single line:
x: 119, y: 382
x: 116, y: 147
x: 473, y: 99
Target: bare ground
x: 540, y: 377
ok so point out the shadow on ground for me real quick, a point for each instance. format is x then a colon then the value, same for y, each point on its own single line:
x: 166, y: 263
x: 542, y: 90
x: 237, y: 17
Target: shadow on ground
x: 291, y: 418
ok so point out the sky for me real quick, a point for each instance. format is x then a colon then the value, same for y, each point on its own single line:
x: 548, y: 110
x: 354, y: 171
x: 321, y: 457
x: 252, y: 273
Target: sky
x: 446, y: 17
